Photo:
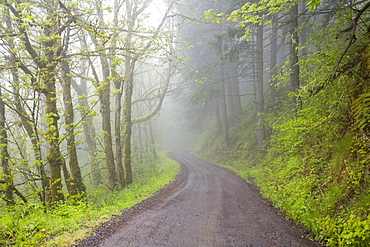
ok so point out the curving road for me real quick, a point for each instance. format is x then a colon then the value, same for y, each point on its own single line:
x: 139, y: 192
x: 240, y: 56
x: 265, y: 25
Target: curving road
x: 209, y: 206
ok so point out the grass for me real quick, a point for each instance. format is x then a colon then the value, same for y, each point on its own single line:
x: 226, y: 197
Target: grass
x: 30, y: 225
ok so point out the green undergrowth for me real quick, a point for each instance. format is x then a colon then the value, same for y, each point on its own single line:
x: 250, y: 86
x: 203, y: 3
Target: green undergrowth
x: 31, y: 225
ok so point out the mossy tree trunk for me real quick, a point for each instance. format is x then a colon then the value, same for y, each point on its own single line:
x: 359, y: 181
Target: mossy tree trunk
x: 117, y: 127
x: 54, y: 156
x: 76, y: 177
x: 104, y: 95
x: 105, y: 102
x: 127, y: 115
x: 128, y: 80
x: 118, y: 85
x: 106, y: 126
x: 7, y: 177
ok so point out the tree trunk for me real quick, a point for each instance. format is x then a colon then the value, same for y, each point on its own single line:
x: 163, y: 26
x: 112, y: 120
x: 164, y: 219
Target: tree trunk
x: 48, y: 70
x: 76, y: 177
x: 236, y: 88
x: 140, y: 146
x: 105, y: 105
x: 54, y: 157
x: 117, y: 126
x: 223, y: 111
x: 104, y: 94
x: 107, y: 131
x: 88, y: 130
x: 294, y: 76
x: 4, y: 156
x: 152, y: 142
x: 229, y: 90
x: 304, y: 31
x: 127, y: 115
x: 118, y: 97
x: 273, y: 62
x: 218, y: 113
x: 128, y: 79
x: 259, y: 86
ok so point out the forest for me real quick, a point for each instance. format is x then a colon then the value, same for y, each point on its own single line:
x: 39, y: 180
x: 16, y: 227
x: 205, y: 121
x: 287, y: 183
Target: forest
x: 93, y: 93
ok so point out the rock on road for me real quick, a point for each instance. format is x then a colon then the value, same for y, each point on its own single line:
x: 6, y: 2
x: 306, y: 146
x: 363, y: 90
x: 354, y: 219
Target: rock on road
x: 210, y: 206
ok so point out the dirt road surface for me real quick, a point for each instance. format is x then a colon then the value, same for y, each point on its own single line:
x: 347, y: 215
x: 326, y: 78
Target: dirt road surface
x: 207, y: 206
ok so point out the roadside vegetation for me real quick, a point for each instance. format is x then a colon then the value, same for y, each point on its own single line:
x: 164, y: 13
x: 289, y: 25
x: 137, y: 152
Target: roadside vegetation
x: 34, y: 225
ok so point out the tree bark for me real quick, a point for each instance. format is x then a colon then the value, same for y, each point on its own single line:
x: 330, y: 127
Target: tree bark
x: 79, y: 187
x: 127, y: 116
x: 105, y: 105
x: 53, y: 50
x: 273, y: 62
x: 4, y: 156
x: 106, y: 126
x: 54, y: 156
x: 294, y: 76
x: 236, y: 88
x: 259, y: 86
x: 229, y: 90
x: 127, y: 111
x: 118, y: 83
x: 88, y: 130
x: 223, y: 111
x: 152, y: 142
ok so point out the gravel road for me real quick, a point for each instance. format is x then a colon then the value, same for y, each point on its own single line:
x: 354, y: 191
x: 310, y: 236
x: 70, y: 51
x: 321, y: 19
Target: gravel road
x: 207, y: 206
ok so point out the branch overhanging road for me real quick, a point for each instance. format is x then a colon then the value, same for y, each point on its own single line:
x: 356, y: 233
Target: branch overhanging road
x: 208, y: 206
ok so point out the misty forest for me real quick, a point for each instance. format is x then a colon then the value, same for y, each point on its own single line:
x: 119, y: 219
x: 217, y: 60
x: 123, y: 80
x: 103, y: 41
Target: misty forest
x: 94, y: 93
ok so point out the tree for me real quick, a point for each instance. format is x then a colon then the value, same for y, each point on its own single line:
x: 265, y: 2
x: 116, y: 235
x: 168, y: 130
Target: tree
x: 89, y: 131
x: 78, y: 187
x: 294, y: 44
x: 27, y: 120
x: 7, y: 177
x: 104, y: 88
x: 40, y: 61
x: 273, y: 59
x: 259, y: 86
x: 46, y: 63
x: 133, y: 10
